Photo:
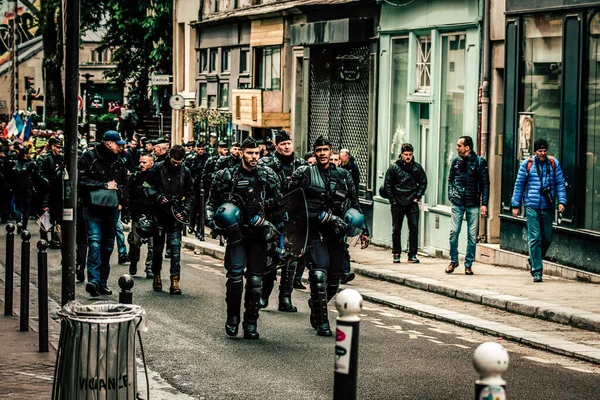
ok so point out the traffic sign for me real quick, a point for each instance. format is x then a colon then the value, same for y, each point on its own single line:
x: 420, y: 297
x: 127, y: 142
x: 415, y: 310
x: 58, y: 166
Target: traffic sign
x: 79, y: 103
x: 177, y: 102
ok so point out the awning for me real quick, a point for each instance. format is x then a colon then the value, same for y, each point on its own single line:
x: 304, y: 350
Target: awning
x: 266, y: 10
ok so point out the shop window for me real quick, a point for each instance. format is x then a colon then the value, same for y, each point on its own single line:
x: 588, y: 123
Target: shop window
x: 539, y: 105
x: 268, y: 68
x: 592, y: 127
x: 423, y: 83
x: 203, y: 60
x: 224, y: 95
x: 452, y: 105
x: 203, y: 95
x: 399, y: 91
x: 214, y: 57
x: 225, y: 60
x: 244, y: 61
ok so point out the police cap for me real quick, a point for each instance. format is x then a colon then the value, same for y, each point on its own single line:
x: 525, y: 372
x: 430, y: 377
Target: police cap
x: 249, y: 143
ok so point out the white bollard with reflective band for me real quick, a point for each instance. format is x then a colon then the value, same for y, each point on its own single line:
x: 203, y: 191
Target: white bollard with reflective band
x: 490, y: 360
x: 349, y: 304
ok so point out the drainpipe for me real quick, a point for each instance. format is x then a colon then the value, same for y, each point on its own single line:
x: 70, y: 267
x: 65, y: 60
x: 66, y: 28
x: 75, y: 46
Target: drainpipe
x: 484, y: 96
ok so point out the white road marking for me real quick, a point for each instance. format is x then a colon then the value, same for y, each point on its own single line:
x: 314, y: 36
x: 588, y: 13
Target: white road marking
x: 387, y: 314
x: 468, y: 339
x: 539, y: 360
x: 438, y: 330
x: 461, y: 346
x: 410, y: 321
x: 580, y: 370
x: 375, y: 321
x: 43, y: 377
x: 435, y: 341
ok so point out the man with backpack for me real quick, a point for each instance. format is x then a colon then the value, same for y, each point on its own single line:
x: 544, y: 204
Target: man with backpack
x: 539, y: 183
x: 468, y: 191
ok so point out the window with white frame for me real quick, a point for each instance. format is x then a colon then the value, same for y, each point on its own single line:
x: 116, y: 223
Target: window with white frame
x: 423, y: 83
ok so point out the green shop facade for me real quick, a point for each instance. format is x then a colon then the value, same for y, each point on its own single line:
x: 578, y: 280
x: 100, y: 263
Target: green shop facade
x: 552, y: 91
x: 429, y: 69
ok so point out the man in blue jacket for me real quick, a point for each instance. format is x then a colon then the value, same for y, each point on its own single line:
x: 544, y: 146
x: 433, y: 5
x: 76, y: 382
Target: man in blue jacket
x: 539, y: 183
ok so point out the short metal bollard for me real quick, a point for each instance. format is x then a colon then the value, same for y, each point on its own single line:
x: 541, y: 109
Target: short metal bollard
x: 25, y: 272
x: 10, y: 270
x: 349, y: 304
x: 200, y: 226
x: 490, y: 360
x: 96, y: 353
x: 126, y: 283
x: 42, y: 246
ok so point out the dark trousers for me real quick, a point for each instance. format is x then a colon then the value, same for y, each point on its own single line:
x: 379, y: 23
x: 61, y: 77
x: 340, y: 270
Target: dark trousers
x: 411, y: 212
x: 172, y: 235
x: 246, y: 256
x: 327, y: 254
x: 101, y: 231
x: 135, y: 244
x: 23, y: 207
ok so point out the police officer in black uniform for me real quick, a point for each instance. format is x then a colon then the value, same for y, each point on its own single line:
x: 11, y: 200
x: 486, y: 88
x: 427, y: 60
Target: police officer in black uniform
x: 195, y: 164
x: 210, y: 166
x: 50, y: 169
x: 329, y: 194
x: 170, y: 188
x: 284, y: 163
x: 247, y: 196
x: 230, y: 160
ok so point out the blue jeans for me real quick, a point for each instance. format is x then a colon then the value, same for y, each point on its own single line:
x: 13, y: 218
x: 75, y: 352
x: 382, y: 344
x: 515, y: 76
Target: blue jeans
x: 472, y: 214
x: 171, y: 236
x: 539, y: 236
x: 101, y: 229
x: 122, y: 248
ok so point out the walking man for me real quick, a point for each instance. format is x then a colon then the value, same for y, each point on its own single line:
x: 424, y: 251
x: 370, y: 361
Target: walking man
x: 468, y: 191
x: 539, y: 183
x: 404, y: 185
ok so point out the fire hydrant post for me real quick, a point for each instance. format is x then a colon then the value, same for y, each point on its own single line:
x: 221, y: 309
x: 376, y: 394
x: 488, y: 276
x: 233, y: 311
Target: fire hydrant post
x: 349, y: 304
x: 490, y: 360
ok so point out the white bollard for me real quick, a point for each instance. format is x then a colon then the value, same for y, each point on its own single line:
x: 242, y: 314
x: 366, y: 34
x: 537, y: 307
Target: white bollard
x: 490, y: 360
x: 349, y: 304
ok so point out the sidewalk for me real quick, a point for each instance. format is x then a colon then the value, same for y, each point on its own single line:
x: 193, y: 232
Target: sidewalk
x: 556, y: 300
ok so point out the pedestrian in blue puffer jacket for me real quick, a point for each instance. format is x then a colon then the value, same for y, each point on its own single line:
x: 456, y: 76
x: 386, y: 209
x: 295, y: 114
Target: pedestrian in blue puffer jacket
x: 540, y: 183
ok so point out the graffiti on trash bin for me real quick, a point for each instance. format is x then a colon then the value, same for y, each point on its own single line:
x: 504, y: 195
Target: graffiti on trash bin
x: 103, y: 384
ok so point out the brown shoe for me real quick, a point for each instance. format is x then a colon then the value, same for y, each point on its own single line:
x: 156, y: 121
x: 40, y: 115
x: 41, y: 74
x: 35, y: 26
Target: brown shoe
x: 468, y: 271
x: 450, y: 269
x: 175, y: 289
x: 157, y: 283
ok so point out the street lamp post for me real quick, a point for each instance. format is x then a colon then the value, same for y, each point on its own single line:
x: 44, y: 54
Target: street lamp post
x: 86, y: 109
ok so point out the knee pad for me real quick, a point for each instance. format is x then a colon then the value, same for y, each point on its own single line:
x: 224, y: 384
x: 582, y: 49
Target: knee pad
x: 254, y: 284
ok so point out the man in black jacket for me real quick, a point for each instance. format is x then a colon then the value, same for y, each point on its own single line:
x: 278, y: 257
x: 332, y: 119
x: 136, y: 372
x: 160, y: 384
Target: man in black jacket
x: 101, y: 168
x: 404, y: 185
x: 468, y: 191
x: 139, y: 207
x: 170, y: 189
x: 196, y: 163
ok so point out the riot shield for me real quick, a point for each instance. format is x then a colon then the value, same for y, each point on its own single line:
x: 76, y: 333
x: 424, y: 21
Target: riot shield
x: 295, y: 230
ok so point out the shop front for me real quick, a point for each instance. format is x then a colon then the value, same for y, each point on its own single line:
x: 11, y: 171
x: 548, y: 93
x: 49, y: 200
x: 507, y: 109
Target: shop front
x: 552, y: 91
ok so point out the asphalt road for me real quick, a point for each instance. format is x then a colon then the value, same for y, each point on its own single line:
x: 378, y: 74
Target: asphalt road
x: 401, y: 356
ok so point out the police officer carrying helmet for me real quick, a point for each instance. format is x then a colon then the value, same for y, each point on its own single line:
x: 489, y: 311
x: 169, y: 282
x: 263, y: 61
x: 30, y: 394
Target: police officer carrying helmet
x: 330, y: 194
x: 170, y: 188
x: 242, y: 207
x: 284, y: 163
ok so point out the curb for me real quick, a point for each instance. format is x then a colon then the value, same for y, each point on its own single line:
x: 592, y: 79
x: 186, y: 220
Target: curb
x: 518, y: 305
x: 532, y: 308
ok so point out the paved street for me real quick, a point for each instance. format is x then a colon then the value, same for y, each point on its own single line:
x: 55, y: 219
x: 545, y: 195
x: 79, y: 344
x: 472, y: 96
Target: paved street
x: 401, y: 355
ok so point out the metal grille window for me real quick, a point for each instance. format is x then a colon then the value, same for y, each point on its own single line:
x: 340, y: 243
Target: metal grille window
x: 203, y: 60
x: 423, y: 64
x: 214, y: 56
x: 268, y: 65
x: 224, y: 95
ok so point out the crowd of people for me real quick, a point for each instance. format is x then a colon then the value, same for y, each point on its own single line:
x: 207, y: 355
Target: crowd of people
x: 238, y: 191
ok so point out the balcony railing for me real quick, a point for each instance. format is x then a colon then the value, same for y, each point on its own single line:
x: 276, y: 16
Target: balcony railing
x: 259, y: 108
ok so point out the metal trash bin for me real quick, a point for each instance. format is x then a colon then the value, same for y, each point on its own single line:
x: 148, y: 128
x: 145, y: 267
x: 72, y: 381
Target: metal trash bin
x: 96, y: 353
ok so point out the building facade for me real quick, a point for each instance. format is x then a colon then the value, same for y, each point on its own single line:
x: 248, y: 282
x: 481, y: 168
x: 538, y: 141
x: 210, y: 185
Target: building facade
x: 429, y: 78
x: 551, y: 91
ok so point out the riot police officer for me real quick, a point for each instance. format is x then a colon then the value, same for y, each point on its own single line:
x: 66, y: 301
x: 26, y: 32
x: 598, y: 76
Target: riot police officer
x: 329, y: 194
x: 284, y: 163
x: 242, y: 207
x: 195, y: 164
x: 210, y: 166
x: 170, y: 188
x: 230, y: 160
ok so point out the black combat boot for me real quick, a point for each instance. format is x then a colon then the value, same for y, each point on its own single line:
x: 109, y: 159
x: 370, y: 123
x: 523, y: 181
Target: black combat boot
x: 235, y: 287
x: 252, y: 306
x: 268, y: 285
x: 286, y: 285
x: 318, y: 302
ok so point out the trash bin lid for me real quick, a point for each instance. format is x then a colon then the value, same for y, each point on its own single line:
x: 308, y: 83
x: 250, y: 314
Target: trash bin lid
x: 101, y: 312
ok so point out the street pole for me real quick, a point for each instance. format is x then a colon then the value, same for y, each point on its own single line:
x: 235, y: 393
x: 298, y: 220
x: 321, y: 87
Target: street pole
x: 349, y: 304
x: 70, y: 171
x: 14, y: 100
